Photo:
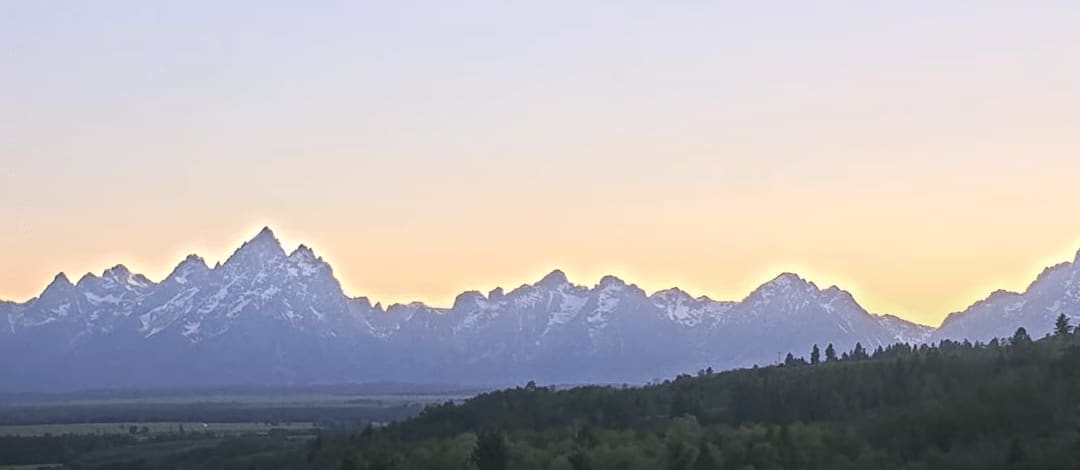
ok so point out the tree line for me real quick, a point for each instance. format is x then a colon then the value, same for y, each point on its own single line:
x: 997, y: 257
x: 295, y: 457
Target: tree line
x: 1010, y: 403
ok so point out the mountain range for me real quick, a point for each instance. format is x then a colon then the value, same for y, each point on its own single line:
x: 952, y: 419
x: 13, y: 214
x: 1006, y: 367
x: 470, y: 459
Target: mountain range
x: 267, y: 317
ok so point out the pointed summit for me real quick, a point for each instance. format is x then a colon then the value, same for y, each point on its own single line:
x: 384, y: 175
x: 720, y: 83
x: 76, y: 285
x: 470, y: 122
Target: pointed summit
x: 87, y: 280
x: 59, y: 285
x: 786, y: 285
x: 787, y: 280
x: 265, y: 236
x: 192, y: 265
x: 61, y: 280
x: 554, y: 279
x: 264, y: 245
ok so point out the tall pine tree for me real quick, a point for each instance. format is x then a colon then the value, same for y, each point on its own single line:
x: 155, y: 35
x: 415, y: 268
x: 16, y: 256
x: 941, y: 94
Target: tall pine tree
x: 1061, y: 326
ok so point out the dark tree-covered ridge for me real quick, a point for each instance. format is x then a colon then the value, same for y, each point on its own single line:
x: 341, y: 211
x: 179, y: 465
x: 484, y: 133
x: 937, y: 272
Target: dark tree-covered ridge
x: 1012, y: 403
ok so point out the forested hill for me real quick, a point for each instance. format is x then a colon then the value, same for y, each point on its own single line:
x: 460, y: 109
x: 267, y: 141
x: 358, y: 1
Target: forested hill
x: 1013, y: 403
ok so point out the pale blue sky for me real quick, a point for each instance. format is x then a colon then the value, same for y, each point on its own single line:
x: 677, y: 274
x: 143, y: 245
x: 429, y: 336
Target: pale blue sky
x: 918, y: 152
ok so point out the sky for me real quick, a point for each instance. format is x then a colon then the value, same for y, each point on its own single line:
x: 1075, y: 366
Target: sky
x: 919, y: 154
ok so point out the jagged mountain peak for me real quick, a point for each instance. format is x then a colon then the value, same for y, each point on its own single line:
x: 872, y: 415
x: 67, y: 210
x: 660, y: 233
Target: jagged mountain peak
x: 304, y: 262
x: 118, y: 275
x: 58, y: 297
x: 292, y: 307
x: 303, y: 252
x: 59, y: 283
x: 118, y: 272
x: 1049, y: 272
x: 1054, y: 291
x: 194, y: 260
x: 265, y: 234
x: 789, y: 279
x: 122, y: 276
x: 786, y: 285
x: 61, y: 279
x: 191, y: 265
x: 553, y: 279
x: 264, y: 245
x: 681, y: 307
x: 87, y: 280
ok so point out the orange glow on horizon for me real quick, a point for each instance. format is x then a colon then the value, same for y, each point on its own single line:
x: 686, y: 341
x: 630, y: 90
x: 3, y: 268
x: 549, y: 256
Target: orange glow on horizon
x: 435, y: 290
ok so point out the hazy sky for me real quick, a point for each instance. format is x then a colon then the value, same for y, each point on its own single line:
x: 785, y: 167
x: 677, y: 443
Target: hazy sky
x: 917, y: 153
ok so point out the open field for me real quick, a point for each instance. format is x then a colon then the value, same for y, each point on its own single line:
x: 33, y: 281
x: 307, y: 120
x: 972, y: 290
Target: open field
x: 316, y: 393
x: 112, y: 412
x: 150, y: 428
x: 105, y: 428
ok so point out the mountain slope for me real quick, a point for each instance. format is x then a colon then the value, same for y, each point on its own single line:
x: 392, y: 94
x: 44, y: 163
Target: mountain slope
x: 1056, y: 291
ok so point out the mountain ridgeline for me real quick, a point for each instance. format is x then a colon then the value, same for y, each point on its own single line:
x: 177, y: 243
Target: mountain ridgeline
x: 267, y: 317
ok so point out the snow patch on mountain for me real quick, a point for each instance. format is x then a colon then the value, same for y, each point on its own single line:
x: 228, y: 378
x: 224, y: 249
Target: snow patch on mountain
x: 290, y: 309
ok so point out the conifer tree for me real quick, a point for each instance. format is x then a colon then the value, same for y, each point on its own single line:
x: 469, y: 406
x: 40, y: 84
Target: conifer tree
x: 830, y: 353
x: 1021, y: 338
x: 1061, y: 326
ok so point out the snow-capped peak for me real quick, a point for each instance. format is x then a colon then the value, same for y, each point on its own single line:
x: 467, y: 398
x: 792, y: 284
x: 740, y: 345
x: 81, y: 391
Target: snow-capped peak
x: 264, y: 247
x: 671, y: 295
x: 293, y: 300
x: 193, y: 264
x: 305, y: 262
x: 117, y: 272
x: 122, y: 276
x: 785, y: 285
x: 303, y: 252
x: 788, y: 280
x: 682, y: 308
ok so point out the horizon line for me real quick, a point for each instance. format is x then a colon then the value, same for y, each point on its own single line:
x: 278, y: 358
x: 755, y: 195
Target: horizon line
x: 267, y: 231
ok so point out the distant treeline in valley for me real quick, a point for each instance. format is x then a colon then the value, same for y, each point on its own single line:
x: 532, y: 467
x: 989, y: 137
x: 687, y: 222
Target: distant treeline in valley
x: 1011, y: 403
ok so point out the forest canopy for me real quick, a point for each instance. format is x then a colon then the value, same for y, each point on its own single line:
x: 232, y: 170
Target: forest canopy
x: 1009, y: 403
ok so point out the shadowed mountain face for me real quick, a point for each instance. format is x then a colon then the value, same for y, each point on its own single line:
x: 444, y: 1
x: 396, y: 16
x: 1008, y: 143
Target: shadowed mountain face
x: 1056, y: 291
x: 269, y: 317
